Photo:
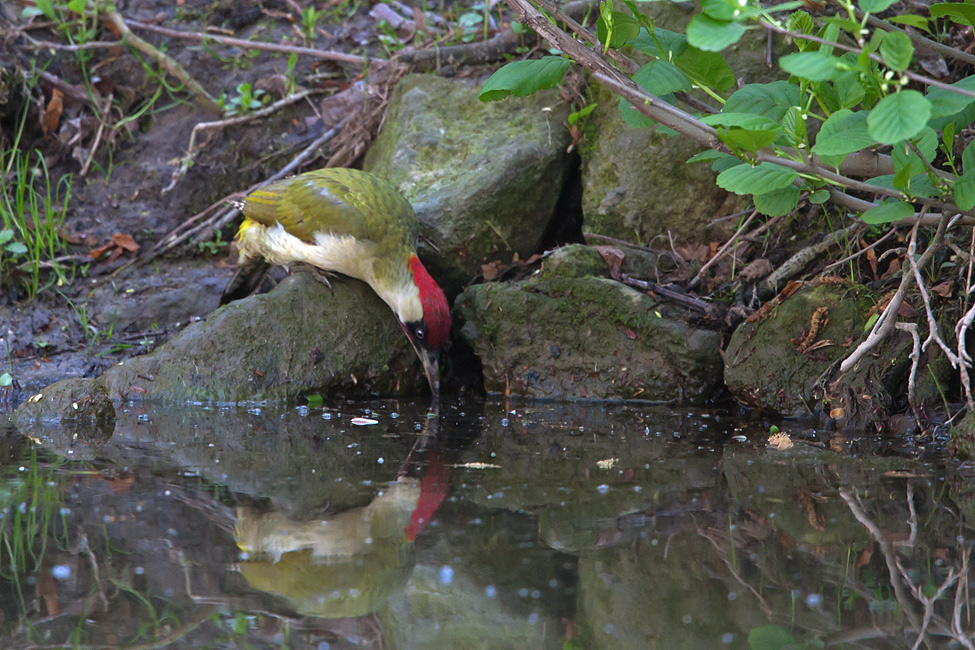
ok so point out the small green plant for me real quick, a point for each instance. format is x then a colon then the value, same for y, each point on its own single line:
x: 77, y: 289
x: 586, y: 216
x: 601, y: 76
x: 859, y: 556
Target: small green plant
x: 246, y: 100
x: 30, y: 220
x: 309, y: 21
x: 389, y: 38
x: 93, y: 334
x: 6, y: 381
x: 215, y: 246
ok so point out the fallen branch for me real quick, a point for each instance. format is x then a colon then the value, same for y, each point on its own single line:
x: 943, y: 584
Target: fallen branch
x: 798, y: 262
x: 721, y: 251
x: 187, y: 161
x: 166, y: 62
x: 186, y: 230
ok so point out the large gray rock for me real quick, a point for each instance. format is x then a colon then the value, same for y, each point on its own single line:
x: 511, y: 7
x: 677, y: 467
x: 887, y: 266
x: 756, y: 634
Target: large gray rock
x: 300, y: 338
x: 586, y: 338
x: 483, y: 177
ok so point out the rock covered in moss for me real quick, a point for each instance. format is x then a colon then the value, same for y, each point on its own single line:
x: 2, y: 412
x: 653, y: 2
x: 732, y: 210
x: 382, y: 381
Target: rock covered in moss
x: 483, y: 177
x: 587, y: 338
x: 787, y: 362
x: 302, y: 337
x: 80, y: 401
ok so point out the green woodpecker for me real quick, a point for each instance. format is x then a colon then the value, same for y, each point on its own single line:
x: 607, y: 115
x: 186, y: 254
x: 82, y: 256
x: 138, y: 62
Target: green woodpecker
x: 353, y: 223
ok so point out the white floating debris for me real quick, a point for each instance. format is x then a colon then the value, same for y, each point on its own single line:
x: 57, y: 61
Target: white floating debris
x: 478, y: 466
x: 362, y: 422
x: 607, y: 463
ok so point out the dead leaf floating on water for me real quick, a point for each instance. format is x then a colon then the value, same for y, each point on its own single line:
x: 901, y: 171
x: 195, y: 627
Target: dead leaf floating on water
x: 780, y: 441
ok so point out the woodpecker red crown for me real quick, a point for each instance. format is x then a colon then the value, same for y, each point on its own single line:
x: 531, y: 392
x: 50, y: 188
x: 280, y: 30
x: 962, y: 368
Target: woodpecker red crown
x: 436, y: 312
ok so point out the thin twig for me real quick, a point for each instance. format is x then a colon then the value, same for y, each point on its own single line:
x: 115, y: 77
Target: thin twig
x: 187, y: 160
x: 885, y: 323
x: 183, y: 233
x: 849, y: 258
x: 913, y: 76
x: 926, y: 43
x: 721, y: 251
x: 329, y: 55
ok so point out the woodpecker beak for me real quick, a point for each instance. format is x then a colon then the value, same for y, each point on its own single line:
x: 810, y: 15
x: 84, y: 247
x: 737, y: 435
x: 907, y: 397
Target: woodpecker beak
x: 431, y: 367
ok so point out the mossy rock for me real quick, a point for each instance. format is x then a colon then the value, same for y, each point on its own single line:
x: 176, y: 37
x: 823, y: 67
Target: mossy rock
x: 483, y: 177
x: 587, y: 338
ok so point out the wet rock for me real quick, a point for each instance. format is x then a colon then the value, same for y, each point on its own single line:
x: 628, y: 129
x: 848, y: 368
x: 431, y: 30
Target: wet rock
x: 483, y: 178
x: 80, y: 401
x: 765, y: 368
x: 586, y: 338
x: 300, y: 338
x: 575, y: 261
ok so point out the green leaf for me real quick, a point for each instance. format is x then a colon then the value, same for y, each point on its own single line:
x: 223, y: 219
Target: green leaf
x: 77, y: 6
x: 723, y: 164
x: 315, y: 401
x: 946, y: 102
x: 5, y: 236
x: 6, y: 380
x: 671, y: 43
x: 899, y: 117
x: 770, y: 100
x: 577, y: 116
x: 634, y: 118
x: 766, y: 177
x: 769, y: 637
x: 624, y: 29
x: 964, y: 191
x: 16, y: 248
x: 662, y: 78
x: 819, y: 196
x: 706, y: 68
x: 887, y: 212
x: 962, y: 13
x: 723, y: 10
x: 849, y: 90
x: 961, y: 119
x: 897, y: 51
x: 843, y: 133
x: 778, y: 203
x: 710, y: 35
x: 870, y: 322
x: 814, y: 66
x: 706, y: 155
x: 801, y: 22
x: 920, y: 185
x: 747, y: 139
x: 47, y: 7
x: 918, y: 22
x: 875, y: 6
x: 743, y: 120
x: 968, y: 159
x: 522, y: 78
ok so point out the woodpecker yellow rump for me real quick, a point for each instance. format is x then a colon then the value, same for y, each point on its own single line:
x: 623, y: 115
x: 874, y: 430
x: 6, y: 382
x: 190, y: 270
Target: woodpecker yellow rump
x: 348, y: 222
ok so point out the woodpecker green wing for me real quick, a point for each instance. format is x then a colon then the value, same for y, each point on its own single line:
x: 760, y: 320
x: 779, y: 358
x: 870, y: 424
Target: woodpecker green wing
x: 337, y: 201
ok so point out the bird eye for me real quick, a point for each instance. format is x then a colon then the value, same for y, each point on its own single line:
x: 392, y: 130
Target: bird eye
x: 419, y: 333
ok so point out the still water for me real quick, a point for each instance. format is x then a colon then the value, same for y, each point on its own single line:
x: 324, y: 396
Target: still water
x: 488, y: 525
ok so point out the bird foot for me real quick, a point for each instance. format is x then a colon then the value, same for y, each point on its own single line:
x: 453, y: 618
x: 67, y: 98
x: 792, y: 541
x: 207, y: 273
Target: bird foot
x: 317, y: 273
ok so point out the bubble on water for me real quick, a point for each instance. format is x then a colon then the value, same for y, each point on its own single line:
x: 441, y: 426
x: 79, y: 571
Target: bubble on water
x: 814, y: 600
x: 490, y: 591
x: 139, y: 570
x: 533, y: 618
x: 523, y: 592
x: 602, y: 489
x: 687, y: 619
x: 446, y: 575
x: 732, y: 595
x: 727, y: 638
x: 536, y: 594
x: 61, y: 571
x: 324, y: 645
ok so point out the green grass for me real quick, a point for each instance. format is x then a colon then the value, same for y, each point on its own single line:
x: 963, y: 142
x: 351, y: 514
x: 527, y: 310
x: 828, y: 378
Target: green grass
x: 32, y: 212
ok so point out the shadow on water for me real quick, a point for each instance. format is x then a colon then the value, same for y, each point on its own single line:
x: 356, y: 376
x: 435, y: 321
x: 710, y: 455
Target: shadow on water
x: 488, y: 525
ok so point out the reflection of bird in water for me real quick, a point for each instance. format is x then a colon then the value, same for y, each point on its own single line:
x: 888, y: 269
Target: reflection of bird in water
x: 347, y: 564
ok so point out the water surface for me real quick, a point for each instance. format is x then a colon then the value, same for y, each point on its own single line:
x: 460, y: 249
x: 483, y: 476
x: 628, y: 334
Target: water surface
x: 490, y: 525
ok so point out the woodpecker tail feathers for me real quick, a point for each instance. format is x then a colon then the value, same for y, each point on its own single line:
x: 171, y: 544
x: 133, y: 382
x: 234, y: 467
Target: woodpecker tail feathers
x: 245, y: 281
